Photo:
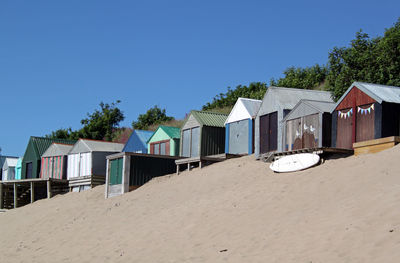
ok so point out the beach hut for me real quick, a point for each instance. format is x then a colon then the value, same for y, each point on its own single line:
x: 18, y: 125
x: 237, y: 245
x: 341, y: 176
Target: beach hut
x: 239, y: 127
x: 31, y: 161
x: 308, y: 125
x: 276, y: 104
x: 127, y: 171
x: 137, y: 142
x: 18, y: 169
x: 87, y: 163
x: 165, y: 141
x: 54, y: 161
x: 203, y: 134
x: 8, y: 169
x: 365, y: 112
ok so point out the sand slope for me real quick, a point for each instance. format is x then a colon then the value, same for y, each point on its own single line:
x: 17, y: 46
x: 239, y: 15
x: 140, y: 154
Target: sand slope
x: 346, y: 210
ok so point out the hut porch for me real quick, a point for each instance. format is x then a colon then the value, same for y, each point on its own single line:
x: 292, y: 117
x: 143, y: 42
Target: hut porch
x: 17, y: 193
x: 376, y: 145
x: 202, y: 161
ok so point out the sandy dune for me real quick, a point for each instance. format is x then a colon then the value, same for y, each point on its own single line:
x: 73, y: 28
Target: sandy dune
x: 346, y: 210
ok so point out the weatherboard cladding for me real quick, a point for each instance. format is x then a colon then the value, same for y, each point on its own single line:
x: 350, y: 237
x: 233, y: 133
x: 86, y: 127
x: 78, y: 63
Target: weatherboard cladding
x: 281, y: 101
x: 137, y: 142
x: 35, y: 149
x: 365, y: 111
x: 206, y: 136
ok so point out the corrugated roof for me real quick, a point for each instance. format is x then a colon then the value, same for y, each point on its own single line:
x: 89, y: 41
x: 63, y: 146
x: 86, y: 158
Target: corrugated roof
x: 173, y: 132
x: 87, y: 145
x: 212, y: 119
x: 289, y: 97
x: 57, y: 149
x: 319, y: 106
x: 41, y: 144
x: 137, y: 141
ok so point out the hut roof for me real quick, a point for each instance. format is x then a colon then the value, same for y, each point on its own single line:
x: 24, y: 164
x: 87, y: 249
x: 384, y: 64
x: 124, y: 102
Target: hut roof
x: 57, y: 149
x: 212, y: 119
x: 172, y: 132
x: 287, y: 98
x: 244, y: 109
x: 380, y: 93
x: 40, y: 144
x: 137, y: 135
x: 318, y: 106
x: 10, y: 162
x: 87, y: 145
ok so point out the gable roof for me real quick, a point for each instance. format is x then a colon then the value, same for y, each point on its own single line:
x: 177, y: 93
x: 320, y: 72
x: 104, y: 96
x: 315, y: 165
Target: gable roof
x: 244, y: 109
x: 172, y: 132
x: 318, y: 106
x: 279, y: 98
x: 141, y: 135
x: 212, y: 119
x: 380, y: 93
x: 88, y: 145
x: 10, y: 162
x: 40, y: 144
x: 57, y: 149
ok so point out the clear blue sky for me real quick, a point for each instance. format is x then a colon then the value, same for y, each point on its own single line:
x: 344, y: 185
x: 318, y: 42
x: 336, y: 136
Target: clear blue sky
x: 59, y: 59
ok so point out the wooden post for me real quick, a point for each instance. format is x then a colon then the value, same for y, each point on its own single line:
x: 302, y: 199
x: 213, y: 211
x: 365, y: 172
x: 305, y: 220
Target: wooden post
x: 200, y: 164
x: 188, y: 166
x: 32, y: 193
x: 1, y: 195
x: 15, y: 195
x: 48, y: 188
x: 177, y: 169
x: 108, y: 164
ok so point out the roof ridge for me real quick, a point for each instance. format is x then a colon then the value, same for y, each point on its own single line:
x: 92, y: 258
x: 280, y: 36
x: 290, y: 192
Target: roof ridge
x: 308, y: 90
x: 211, y: 112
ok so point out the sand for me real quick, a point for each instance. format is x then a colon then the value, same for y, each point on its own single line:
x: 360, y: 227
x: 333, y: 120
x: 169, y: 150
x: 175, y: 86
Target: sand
x: 345, y: 210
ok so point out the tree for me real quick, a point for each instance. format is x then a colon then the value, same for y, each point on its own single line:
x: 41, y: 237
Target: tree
x: 375, y: 60
x: 302, y: 78
x: 98, y: 125
x: 154, y: 115
x: 255, y: 90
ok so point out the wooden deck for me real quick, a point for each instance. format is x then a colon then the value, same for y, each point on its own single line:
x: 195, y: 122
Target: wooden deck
x: 17, y: 193
x: 202, y: 161
x: 322, y: 151
x: 374, y: 146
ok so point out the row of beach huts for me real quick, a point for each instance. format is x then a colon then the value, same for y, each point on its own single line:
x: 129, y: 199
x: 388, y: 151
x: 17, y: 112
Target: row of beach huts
x: 287, y: 120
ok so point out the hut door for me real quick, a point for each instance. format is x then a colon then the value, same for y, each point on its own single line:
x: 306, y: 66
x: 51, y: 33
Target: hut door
x: 345, y: 129
x: 239, y: 137
x: 310, y: 131
x: 29, y: 170
x: 365, y: 129
x: 268, y: 132
x: 195, y: 142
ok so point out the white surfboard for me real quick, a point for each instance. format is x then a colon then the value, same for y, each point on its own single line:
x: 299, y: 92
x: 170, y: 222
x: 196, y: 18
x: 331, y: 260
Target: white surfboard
x: 294, y: 162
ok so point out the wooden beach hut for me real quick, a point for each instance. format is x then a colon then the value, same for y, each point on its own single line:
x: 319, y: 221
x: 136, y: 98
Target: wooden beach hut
x: 276, y: 104
x: 137, y: 142
x: 239, y: 127
x: 308, y: 125
x: 8, y: 169
x: 31, y: 161
x: 365, y: 112
x: 87, y: 163
x: 203, y: 134
x: 54, y: 161
x: 18, y: 169
x: 165, y: 141
x: 127, y: 171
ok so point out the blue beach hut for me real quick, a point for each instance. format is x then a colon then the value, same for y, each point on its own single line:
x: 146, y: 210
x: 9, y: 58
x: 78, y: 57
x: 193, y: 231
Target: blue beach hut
x: 137, y: 142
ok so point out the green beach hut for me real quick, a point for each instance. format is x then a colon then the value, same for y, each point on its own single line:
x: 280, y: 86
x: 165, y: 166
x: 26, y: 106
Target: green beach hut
x: 165, y: 141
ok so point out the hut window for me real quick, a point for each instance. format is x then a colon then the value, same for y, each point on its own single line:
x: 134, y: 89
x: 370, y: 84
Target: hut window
x: 162, y: 148
x: 156, y: 148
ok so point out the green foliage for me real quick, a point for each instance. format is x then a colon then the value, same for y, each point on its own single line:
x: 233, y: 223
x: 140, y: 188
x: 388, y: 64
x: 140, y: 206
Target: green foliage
x: 374, y: 60
x: 98, y: 125
x: 153, y: 116
x: 302, y: 78
x: 255, y: 90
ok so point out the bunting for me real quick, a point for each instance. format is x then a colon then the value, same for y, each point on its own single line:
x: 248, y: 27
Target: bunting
x: 365, y: 111
x: 346, y: 114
